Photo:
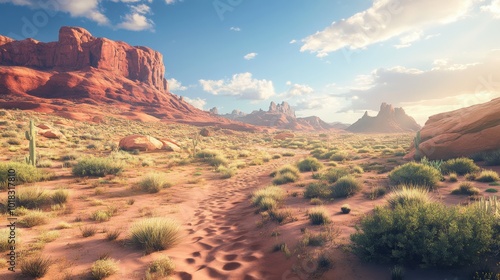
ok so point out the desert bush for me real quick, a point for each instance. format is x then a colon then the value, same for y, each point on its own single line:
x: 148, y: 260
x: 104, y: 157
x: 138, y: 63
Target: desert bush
x: 316, y: 201
x: 309, y: 164
x: 281, y: 216
x: 95, y: 166
x: 376, y: 192
x: 161, y: 267
x: 272, y: 192
x: 60, y: 196
x: 4, y: 239
x: 267, y: 203
x: 33, y: 218
x: 113, y: 234
x: 487, y: 176
x: 317, y: 190
x: 345, y: 208
x: 25, y: 173
x: 226, y: 172
x: 154, y: 182
x: 432, y: 163
x: 103, y: 268
x: 288, y: 154
x: 214, y: 158
x: 339, y: 156
x: 284, y: 178
x: 317, y: 239
x: 333, y: 174
x: 318, y: 215
x: 88, y: 231
x: 32, y: 197
x: 453, y: 177
x: 466, y: 188
x: 100, y: 216
x: 155, y: 234
x: 407, y: 195
x: 413, y: 173
x: 345, y: 186
x: 492, y: 158
x: 286, y: 169
x: 35, y: 266
x: 276, y: 156
x: 429, y: 234
x: 461, y: 166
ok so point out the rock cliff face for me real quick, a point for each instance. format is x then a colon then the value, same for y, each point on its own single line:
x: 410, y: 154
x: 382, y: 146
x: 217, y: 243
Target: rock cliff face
x: 388, y: 120
x: 462, y: 132
x: 77, y: 49
x: 84, y: 77
x: 282, y: 108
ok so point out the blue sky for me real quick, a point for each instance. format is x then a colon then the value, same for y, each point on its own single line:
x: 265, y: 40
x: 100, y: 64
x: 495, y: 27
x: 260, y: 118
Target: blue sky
x: 333, y: 59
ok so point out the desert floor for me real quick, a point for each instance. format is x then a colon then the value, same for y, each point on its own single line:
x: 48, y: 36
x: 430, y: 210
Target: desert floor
x: 222, y: 234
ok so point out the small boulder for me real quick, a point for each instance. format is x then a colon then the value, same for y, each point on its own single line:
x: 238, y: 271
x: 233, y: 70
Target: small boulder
x: 170, y: 145
x: 140, y: 142
x: 52, y: 133
x: 205, y: 132
x: 43, y: 126
x: 282, y: 136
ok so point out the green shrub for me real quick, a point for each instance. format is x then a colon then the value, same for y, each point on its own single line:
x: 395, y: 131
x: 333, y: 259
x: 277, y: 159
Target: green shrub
x: 316, y: 201
x: 284, y: 178
x: 408, y: 195
x: 273, y: 192
x: 491, y: 190
x: 345, y: 186
x: 318, y: 216
x: 453, y: 177
x: 281, y: 216
x: 154, y: 182
x: 161, y: 267
x: 339, y: 156
x: 333, y: 174
x: 155, y: 234
x: 288, y: 154
x: 413, y: 173
x: 492, y: 158
x: 32, y: 197
x: 309, y: 164
x: 432, y: 163
x: 100, y: 216
x: 487, y: 176
x: 94, y: 166
x: 25, y: 173
x: 376, y: 192
x: 226, y: 172
x: 466, y: 188
x: 35, y: 266
x: 461, y: 166
x: 286, y: 169
x: 430, y: 234
x: 102, y: 269
x: 267, y: 203
x: 317, y: 190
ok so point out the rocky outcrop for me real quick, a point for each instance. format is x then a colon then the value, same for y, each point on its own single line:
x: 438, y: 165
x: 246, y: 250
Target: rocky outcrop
x: 388, y: 120
x: 140, y: 142
x: 283, y: 108
x: 214, y: 111
x: 77, y: 49
x: 462, y: 132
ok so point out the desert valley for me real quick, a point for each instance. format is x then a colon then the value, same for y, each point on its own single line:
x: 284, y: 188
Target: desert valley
x: 107, y: 174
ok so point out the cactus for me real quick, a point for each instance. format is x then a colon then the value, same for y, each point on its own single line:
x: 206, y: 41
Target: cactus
x: 416, y: 142
x: 30, y: 135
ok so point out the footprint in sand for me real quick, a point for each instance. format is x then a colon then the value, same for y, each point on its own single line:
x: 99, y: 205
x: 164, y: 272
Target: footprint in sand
x: 206, y: 246
x: 185, y: 276
x: 190, y: 260
x: 231, y: 266
x: 230, y: 257
x: 250, y: 258
x: 196, y: 254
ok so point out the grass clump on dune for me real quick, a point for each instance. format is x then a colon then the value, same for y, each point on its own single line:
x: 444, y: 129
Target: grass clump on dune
x: 32, y: 197
x: 318, y: 216
x: 408, y: 195
x: 284, y: 178
x: 333, y: 174
x: 214, y: 158
x: 460, y: 166
x: 161, y: 267
x: 286, y: 169
x: 154, y: 182
x: 487, y: 176
x: 309, y: 164
x: 155, y: 234
x: 466, y: 188
x: 33, y: 218
x: 35, y: 266
x: 317, y: 190
x: 99, y: 167
x: 345, y: 186
x: 103, y: 268
x: 25, y: 173
x: 226, y: 172
x: 413, y: 173
x: 263, y: 198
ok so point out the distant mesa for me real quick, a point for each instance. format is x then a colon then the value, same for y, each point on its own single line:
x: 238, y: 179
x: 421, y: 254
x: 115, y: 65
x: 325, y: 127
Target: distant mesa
x: 388, y: 120
x: 280, y: 116
x: 102, y: 77
x: 462, y: 132
x: 214, y: 111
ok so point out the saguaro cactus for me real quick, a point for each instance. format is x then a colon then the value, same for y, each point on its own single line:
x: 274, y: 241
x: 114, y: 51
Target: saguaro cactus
x: 416, y: 142
x: 30, y: 135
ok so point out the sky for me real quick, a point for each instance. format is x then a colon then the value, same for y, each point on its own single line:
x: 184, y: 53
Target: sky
x: 331, y: 59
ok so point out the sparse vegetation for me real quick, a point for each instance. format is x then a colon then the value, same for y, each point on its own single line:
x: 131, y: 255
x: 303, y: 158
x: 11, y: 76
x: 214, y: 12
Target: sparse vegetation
x: 309, y: 164
x: 161, y: 267
x: 317, y: 190
x: 155, y: 234
x: 408, y: 195
x: 263, y: 198
x: 492, y: 158
x: 488, y: 176
x: 103, y: 268
x: 154, y: 182
x: 460, y: 166
x: 318, y: 216
x: 35, y: 266
x: 413, y: 173
x: 33, y: 218
x: 466, y: 188
x: 95, y: 166
x: 345, y: 186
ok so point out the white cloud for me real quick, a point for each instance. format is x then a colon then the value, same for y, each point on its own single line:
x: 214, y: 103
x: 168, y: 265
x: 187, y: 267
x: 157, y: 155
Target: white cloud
x: 136, y: 22
x: 141, y: 9
x: 288, y: 83
x: 385, y: 19
x: 169, y: 2
x: 493, y: 8
x: 174, y: 85
x: 293, y: 41
x: 237, y: 29
x: 408, y: 39
x: 398, y: 85
x: 250, y: 56
x: 196, y: 102
x: 241, y: 85
x: 77, y: 8
x: 299, y: 90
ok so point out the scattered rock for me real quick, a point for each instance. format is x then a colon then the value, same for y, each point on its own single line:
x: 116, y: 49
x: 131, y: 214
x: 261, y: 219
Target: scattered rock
x: 170, y: 145
x: 282, y: 136
x: 140, y: 142
x: 205, y: 132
